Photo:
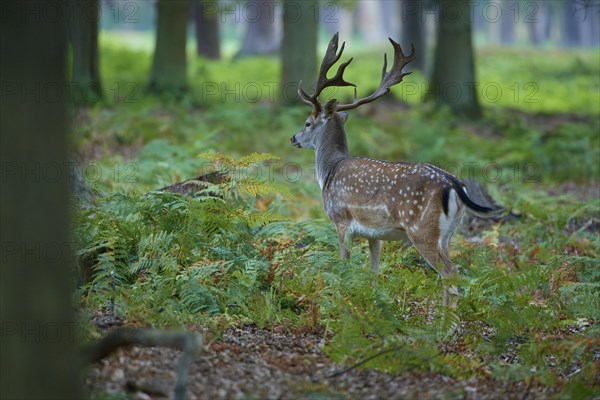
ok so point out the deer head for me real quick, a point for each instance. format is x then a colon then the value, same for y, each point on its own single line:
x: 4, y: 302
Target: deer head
x: 321, y: 128
x: 324, y: 128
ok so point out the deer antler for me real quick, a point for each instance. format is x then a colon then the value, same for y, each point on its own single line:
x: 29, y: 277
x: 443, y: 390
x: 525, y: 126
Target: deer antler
x: 331, y: 57
x: 388, y: 79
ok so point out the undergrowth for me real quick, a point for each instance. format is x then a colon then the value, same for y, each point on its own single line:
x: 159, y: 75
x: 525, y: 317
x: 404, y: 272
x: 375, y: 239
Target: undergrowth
x: 171, y: 260
x: 256, y: 249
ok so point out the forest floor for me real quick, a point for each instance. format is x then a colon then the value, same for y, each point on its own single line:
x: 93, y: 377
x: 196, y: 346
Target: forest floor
x: 253, y: 363
x: 248, y: 362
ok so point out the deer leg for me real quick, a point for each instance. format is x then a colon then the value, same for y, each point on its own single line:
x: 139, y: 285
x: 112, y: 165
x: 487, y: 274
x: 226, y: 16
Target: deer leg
x: 437, y: 257
x: 449, y: 272
x: 374, y: 253
x: 344, y: 248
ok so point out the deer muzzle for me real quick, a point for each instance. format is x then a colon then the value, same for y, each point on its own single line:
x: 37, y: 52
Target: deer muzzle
x: 295, y: 142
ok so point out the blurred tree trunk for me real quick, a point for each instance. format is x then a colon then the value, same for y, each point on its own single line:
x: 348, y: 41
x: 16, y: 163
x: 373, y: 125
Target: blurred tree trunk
x: 388, y: 10
x: 169, y: 66
x: 39, y: 358
x: 453, y: 79
x: 299, y: 49
x: 345, y: 21
x: 571, y: 34
x: 83, y: 32
x: 413, y: 31
x: 261, y: 36
x: 369, y: 21
x: 507, y: 22
x: 206, y: 22
x: 587, y: 16
x: 480, y: 22
x: 594, y: 25
x: 551, y: 12
x: 536, y: 29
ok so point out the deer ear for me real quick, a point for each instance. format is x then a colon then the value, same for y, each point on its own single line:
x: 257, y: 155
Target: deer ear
x: 330, y: 108
x: 343, y: 116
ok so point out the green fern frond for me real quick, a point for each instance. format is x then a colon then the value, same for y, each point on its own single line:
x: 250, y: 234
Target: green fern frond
x: 258, y: 187
x: 225, y: 161
x: 197, y: 298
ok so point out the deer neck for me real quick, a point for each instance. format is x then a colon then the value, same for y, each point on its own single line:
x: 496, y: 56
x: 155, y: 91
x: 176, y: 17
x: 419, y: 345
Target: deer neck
x: 329, y: 153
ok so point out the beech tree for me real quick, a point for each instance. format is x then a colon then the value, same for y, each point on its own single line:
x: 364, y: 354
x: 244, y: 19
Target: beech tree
x: 39, y: 357
x: 453, y: 80
x: 83, y: 34
x: 299, y: 48
x: 169, y: 65
x: 207, y: 28
x: 413, y: 31
x: 261, y: 36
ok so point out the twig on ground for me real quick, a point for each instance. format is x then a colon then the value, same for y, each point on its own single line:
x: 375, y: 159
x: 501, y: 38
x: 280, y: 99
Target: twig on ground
x: 187, y: 342
x: 391, y: 350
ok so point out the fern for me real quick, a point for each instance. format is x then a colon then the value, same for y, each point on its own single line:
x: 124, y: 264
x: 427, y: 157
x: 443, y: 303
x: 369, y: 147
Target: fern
x: 196, y: 298
x: 239, y: 172
x: 165, y: 246
x: 228, y: 162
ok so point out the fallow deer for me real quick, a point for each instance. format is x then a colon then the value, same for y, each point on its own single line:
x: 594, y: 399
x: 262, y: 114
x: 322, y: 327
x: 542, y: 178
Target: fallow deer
x: 380, y: 200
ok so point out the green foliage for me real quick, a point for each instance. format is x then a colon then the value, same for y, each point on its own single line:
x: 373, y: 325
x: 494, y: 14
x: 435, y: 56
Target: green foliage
x: 257, y: 249
x: 169, y: 260
x: 159, y: 247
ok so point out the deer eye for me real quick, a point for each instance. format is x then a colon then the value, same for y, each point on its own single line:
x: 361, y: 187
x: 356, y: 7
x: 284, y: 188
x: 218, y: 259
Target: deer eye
x: 307, y: 124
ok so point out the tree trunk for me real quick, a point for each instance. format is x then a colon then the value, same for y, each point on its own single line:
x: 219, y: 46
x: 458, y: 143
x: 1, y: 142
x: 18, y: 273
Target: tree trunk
x: 507, y: 23
x: 453, y: 79
x: 535, y: 30
x: 480, y: 22
x: 388, y: 9
x: 587, y: 17
x: 83, y: 34
x: 413, y: 31
x: 299, y: 48
x: 345, y: 22
x: 39, y: 358
x: 369, y: 22
x: 206, y: 21
x: 551, y: 11
x: 169, y: 66
x: 592, y: 14
x: 262, y: 36
x: 571, y: 34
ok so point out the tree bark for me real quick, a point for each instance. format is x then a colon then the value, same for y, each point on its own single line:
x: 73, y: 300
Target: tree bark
x: 453, y: 79
x: 169, y: 66
x: 413, y: 31
x: 39, y: 357
x: 261, y: 36
x: 83, y: 34
x: 206, y: 22
x: 299, y: 48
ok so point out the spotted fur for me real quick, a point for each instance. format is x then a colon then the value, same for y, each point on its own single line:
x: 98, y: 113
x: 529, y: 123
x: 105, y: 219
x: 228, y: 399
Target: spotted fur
x: 381, y: 201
